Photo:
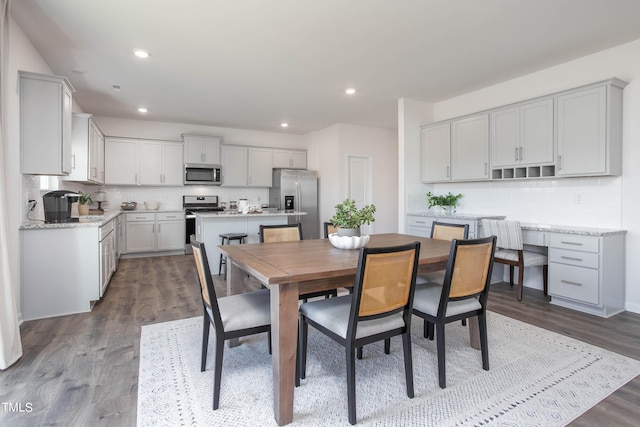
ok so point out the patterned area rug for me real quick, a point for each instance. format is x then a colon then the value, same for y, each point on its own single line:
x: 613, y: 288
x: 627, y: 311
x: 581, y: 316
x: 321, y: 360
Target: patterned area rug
x: 537, y: 378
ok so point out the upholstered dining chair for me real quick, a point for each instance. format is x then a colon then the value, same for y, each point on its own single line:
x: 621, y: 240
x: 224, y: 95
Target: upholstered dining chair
x: 232, y: 316
x: 512, y: 253
x: 378, y: 309
x: 290, y: 233
x: 443, y: 231
x: 462, y: 295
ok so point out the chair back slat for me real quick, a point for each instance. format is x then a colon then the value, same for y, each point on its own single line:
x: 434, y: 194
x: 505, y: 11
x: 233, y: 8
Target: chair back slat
x: 446, y: 231
x: 387, y: 282
x: 207, y: 289
x: 280, y: 233
x: 509, y: 233
x: 471, y: 269
x: 329, y: 228
x: 197, y: 254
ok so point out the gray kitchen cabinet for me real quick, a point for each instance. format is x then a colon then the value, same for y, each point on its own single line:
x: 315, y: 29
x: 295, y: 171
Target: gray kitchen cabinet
x: 522, y: 134
x: 45, y: 124
x: 289, y: 159
x: 107, y: 254
x: 131, y: 161
x: 435, y: 153
x: 148, y: 232
x: 87, y: 150
x: 199, y: 149
x: 586, y: 273
x: 470, y: 148
x: 420, y: 225
x: 244, y: 166
x: 589, y: 130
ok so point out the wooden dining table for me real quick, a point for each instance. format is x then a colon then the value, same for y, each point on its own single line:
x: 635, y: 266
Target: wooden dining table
x: 291, y: 268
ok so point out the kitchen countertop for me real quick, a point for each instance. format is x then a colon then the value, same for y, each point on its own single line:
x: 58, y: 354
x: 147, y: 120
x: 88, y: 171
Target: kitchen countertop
x: 232, y: 214
x: 88, y: 220
x: 456, y: 216
x: 570, y: 229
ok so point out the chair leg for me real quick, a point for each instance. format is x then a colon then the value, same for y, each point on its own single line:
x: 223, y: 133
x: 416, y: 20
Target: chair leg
x: 269, y: 338
x: 511, y: 275
x: 217, y: 375
x: 408, y: 362
x: 484, y: 344
x: 205, y: 343
x: 464, y: 322
x: 442, y: 368
x: 302, y: 346
x: 545, y: 283
x: 359, y: 352
x: 351, y: 383
x: 387, y: 346
x: 429, y: 330
x: 520, y: 280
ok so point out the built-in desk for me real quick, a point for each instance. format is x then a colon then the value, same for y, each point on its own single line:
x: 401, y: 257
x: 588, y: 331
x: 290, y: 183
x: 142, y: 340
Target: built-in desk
x: 586, y: 265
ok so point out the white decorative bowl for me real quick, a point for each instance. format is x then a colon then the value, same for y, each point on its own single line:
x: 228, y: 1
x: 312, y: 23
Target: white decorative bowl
x: 152, y: 205
x: 348, y: 242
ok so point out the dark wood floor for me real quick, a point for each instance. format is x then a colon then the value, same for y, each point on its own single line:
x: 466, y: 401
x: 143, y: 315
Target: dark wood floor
x: 83, y: 369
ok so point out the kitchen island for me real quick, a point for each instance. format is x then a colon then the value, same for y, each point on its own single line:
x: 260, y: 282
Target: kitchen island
x: 210, y: 225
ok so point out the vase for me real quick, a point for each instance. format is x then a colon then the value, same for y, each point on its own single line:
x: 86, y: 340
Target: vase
x: 447, y: 210
x: 348, y: 231
x: 83, y: 209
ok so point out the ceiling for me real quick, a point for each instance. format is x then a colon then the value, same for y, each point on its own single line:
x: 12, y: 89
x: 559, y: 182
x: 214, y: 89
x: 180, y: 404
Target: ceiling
x: 252, y: 64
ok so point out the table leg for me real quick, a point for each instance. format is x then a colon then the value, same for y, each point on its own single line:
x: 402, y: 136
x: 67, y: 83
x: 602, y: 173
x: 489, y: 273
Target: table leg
x: 284, y: 334
x: 235, y: 285
x: 474, y: 332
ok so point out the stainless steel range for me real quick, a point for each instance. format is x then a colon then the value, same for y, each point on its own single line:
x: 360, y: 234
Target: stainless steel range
x: 193, y: 204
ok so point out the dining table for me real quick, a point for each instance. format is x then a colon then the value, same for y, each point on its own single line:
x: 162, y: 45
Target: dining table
x: 288, y: 269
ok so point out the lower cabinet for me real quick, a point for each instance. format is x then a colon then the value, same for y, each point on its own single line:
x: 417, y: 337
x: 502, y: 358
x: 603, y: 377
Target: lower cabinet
x: 154, y: 232
x: 421, y: 225
x: 107, y: 235
x: 587, y: 272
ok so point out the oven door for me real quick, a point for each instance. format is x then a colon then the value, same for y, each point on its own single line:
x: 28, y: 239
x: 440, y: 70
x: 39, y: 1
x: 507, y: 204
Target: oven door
x: 190, y: 228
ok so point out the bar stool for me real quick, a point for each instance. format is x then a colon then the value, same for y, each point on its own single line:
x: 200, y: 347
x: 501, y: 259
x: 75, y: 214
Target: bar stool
x: 226, y: 239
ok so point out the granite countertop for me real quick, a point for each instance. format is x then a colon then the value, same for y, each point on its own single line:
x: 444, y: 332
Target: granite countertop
x: 88, y: 220
x: 234, y: 214
x: 570, y: 229
x: 456, y: 216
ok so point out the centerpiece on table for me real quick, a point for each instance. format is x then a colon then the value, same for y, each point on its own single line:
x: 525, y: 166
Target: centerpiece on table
x: 348, y: 219
x: 447, y: 203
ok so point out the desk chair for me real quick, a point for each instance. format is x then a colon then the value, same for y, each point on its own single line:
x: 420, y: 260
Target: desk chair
x: 511, y: 251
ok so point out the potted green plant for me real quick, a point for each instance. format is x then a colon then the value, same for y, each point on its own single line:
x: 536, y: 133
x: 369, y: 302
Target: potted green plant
x: 447, y: 202
x: 348, y: 218
x: 84, y: 201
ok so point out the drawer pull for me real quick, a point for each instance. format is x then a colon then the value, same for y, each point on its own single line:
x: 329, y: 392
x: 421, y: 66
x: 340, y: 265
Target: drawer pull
x: 571, y: 258
x: 571, y: 243
x: 568, y: 282
x: 421, y: 222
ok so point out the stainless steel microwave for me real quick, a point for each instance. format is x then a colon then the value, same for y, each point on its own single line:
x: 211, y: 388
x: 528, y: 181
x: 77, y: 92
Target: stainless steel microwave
x: 201, y: 174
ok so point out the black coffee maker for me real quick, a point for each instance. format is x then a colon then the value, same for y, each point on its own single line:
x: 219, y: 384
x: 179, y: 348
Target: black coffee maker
x: 57, y: 206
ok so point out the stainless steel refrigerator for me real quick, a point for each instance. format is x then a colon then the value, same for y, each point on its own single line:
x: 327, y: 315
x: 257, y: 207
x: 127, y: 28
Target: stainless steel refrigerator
x: 297, y: 190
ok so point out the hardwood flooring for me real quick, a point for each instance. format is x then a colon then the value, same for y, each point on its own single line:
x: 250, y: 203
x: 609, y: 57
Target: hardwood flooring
x: 82, y: 369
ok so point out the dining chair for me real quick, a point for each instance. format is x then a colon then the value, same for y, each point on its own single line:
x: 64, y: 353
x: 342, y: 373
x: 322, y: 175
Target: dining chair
x: 462, y: 295
x: 443, y: 231
x: 290, y: 233
x: 232, y: 316
x: 511, y: 251
x: 378, y: 309
x: 329, y: 228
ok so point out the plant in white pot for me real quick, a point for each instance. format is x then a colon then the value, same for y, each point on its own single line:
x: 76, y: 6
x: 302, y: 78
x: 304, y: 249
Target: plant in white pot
x: 348, y: 218
x: 447, y: 202
x: 84, y: 201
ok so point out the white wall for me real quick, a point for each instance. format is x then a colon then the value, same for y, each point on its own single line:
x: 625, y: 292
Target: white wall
x: 609, y: 202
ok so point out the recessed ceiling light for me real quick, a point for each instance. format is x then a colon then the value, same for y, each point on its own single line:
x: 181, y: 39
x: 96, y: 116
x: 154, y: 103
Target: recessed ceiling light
x: 284, y: 125
x: 350, y: 91
x: 78, y: 70
x: 116, y: 87
x: 141, y: 53
x: 142, y: 110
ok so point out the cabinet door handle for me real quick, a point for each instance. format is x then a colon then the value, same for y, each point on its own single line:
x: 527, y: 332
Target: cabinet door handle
x: 569, y: 282
x: 571, y: 258
x: 559, y: 162
x: 73, y: 161
x: 571, y: 243
x: 516, y: 159
x: 448, y: 172
x: 521, y: 153
x: 485, y: 168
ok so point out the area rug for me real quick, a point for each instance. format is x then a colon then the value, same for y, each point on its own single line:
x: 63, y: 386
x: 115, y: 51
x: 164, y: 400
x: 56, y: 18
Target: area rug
x: 537, y: 378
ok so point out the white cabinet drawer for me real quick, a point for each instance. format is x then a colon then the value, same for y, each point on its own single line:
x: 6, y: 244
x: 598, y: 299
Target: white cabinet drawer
x: 419, y: 221
x: 574, y: 243
x: 581, y: 259
x: 577, y: 283
x: 106, y: 229
x: 165, y: 216
x: 141, y: 217
x: 419, y: 231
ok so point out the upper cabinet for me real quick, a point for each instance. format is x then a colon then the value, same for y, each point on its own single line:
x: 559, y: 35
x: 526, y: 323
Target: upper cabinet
x: 470, y: 148
x: 87, y: 150
x: 246, y: 166
x: 289, y: 159
x: 436, y: 153
x: 589, y: 130
x: 130, y: 161
x: 201, y: 149
x: 573, y: 133
x: 522, y: 134
x: 45, y: 124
